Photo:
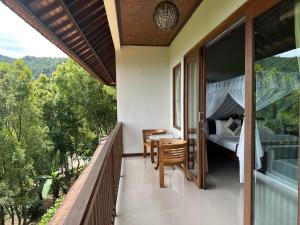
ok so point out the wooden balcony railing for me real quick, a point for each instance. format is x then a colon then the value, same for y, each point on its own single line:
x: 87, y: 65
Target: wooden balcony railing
x: 92, y: 198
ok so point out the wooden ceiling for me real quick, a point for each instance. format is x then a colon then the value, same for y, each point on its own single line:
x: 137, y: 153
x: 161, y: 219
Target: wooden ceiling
x: 136, y: 26
x: 78, y: 27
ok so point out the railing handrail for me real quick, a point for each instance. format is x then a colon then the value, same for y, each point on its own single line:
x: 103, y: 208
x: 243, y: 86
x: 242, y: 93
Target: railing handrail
x: 76, y: 203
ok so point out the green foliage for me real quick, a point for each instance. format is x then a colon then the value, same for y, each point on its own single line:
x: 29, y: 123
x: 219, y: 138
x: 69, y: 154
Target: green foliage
x: 281, y: 116
x: 38, y: 65
x: 49, y: 129
x: 46, y: 188
x: 50, y: 212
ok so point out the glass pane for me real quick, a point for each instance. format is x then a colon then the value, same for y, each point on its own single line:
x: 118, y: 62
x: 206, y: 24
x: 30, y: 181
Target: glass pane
x: 177, y: 97
x: 192, y: 116
x: 277, y: 67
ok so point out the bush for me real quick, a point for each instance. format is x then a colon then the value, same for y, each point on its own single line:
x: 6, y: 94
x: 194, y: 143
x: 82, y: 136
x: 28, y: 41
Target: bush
x: 51, y: 211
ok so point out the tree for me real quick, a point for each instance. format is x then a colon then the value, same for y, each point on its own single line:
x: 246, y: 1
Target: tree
x: 23, y: 139
x: 49, y: 129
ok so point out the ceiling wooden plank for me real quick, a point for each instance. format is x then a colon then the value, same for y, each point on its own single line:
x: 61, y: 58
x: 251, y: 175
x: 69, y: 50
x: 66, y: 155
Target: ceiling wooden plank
x: 71, y: 38
x: 55, y: 18
x: 84, y: 7
x: 136, y: 25
x: 84, y: 37
x: 96, y: 24
x: 67, y: 32
x: 46, y: 10
x: 61, y: 25
x: 82, y: 20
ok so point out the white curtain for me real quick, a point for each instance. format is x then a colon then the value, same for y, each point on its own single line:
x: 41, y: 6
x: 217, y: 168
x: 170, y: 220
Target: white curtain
x: 216, y: 94
x: 270, y: 87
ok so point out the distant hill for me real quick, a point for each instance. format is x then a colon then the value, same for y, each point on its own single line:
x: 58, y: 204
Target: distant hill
x: 38, y: 65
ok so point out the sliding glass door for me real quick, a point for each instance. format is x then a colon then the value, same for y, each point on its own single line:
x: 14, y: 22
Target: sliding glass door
x: 277, y: 96
x: 191, y: 113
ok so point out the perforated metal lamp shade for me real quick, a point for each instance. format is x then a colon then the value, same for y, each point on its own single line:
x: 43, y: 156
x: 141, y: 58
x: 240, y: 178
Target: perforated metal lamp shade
x: 166, y: 15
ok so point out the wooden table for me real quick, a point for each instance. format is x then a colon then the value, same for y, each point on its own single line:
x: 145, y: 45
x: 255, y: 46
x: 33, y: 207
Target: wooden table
x: 155, y: 138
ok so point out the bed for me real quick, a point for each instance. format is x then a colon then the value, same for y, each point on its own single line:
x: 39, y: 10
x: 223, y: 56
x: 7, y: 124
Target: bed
x: 229, y: 143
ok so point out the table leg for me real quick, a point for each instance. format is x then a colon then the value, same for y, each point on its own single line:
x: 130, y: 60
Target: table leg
x: 157, y: 161
x: 152, y: 151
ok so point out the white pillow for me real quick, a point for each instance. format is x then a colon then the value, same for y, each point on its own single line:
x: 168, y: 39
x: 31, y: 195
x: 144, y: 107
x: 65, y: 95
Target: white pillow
x: 233, y: 127
x: 220, y: 128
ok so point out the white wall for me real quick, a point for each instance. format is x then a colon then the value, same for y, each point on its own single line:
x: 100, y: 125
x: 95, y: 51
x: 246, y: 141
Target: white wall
x: 143, y: 92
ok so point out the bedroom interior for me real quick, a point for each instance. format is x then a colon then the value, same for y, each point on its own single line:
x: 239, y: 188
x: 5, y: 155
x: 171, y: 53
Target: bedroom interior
x: 225, y: 65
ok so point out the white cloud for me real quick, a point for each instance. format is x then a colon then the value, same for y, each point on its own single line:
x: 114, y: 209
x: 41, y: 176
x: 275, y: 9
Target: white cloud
x: 18, y: 39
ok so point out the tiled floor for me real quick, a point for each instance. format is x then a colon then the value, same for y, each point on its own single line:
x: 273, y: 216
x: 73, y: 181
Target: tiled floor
x: 142, y: 202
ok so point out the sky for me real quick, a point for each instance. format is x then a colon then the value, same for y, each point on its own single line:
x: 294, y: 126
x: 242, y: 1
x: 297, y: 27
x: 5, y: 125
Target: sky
x: 291, y: 53
x: 18, y: 39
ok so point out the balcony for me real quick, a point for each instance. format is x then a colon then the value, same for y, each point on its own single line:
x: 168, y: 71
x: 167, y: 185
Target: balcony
x: 126, y: 191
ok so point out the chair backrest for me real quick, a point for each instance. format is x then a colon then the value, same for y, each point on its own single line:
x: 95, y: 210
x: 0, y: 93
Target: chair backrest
x: 148, y: 132
x: 173, y: 150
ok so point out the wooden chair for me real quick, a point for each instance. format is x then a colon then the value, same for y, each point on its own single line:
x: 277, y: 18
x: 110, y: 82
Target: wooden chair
x: 172, y: 152
x: 151, y: 144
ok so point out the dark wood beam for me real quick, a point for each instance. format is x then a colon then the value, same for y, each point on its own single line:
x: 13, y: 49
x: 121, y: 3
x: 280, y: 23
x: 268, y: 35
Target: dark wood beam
x: 46, y: 10
x: 70, y: 3
x: 88, y: 19
x: 77, y: 43
x: 29, y: 2
x: 85, y: 53
x: 96, y: 24
x: 92, y: 10
x: 95, y: 30
x: 98, y: 35
x: 60, y: 26
x: 84, y: 7
x: 91, y: 20
x: 80, y: 46
x: 53, y: 19
x: 67, y: 32
x: 71, y: 38
x: 83, y: 35
x: 91, y: 62
x: 104, y: 41
x: 86, y: 57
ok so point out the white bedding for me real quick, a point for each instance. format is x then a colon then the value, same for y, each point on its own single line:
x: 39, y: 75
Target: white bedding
x: 227, y: 142
x: 232, y: 142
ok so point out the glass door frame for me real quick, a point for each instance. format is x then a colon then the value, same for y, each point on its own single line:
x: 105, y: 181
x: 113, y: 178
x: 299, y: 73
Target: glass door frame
x: 255, y: 9
x: 192, y: 56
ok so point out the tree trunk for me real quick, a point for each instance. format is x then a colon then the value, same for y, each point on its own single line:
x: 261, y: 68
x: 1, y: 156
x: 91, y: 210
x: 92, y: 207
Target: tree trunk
x: 25, y: 221
x: 12, y: 216
x: 78, y: 166
x: 2, y: 215
x: 25, y: 216
x: 19, y: 217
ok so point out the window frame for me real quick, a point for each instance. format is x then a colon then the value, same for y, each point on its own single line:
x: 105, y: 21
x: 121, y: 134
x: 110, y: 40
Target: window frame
x: 175, y: 110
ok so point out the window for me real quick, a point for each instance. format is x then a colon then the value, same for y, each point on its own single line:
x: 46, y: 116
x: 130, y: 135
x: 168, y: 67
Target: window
x: 177, y: 96
x: 277, y: 54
